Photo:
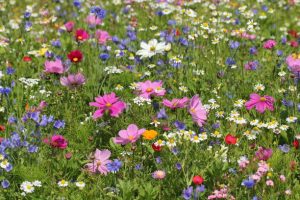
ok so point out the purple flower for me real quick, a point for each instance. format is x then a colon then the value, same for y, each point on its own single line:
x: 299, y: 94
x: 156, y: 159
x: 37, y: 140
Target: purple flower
x: 162, y: 114
x: 263, y: 153
x: 284, y: 148
x: 114, y: 166
x: 187, y: 193
x: 73, y: 80
x: 248, y: 183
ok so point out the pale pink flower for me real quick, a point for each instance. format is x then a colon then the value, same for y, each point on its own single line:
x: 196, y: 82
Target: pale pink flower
x: 131, y: 135
x: 93, y: 20
x: 269, y: 183
x: 147, y: 89
x: 72, y: 80
x: 102, y: 36
x: 55, y: 67
x: 197, y: 111
x: 176, y: 103
x: 101, y: 159
x: 293, y: 62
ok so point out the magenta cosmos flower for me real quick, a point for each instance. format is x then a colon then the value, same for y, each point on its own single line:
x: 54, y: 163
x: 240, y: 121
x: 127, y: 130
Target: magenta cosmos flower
x: 55, y: 67
x: 176, y: 103
x: 269, y: 44
x: 293, y: 62
x: 108, y: 102
x: 131, y: 135
x: 147, y: 89
x: 57, y: 141
x: 73, y: 80
x: 263, y: 153
x: 101, y: 159
x: 197, y: 111
x: 260, y: 103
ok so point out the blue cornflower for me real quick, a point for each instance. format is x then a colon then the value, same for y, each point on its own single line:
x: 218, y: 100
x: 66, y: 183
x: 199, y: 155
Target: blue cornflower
x: 10, y: 70
x: 114, y: 166
x: 179, y: 125
x: 230, y: 61
x: 178, y: 166
x: 27, y: 15
x: 234, y: 44
x: 98, y: 11
x: 5, y: 90
x: 104, y: 56
x: 248, y: 183
x: 77, y: 3
x: 5, y: 184
x: 32, y: 149
x: 158, y: 160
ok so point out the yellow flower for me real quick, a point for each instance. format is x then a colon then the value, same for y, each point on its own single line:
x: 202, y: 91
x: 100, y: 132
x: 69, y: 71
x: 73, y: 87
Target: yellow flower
x: 149, y: 134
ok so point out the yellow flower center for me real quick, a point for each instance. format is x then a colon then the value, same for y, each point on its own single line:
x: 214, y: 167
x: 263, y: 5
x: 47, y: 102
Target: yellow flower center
x: 192, y: 110
x: 130, y: 137
x: 75, y: 59
x: 152, y: 48
x: 98, y: 163
x: 79, y: 37
x: 263, y: 99
x: 108, y: 105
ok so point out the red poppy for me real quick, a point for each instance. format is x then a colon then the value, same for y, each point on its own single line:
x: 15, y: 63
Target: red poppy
x: 75, y: 56
x: 198, y: 180
x: 81, y: 35
x: 27, y: 59
x: 2, y: 128
x: 296, y: 144
x: 156, y: 147
x: 230, y: 139
x: 293, y: 33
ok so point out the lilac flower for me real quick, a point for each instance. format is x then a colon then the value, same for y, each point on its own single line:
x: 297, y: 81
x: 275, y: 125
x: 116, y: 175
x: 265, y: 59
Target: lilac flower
x: 248, y: 183
x: 162, y: 114
x: 59, y: 124
x: 284, y: 148
x: 179, y: 125
x: 187, y: 193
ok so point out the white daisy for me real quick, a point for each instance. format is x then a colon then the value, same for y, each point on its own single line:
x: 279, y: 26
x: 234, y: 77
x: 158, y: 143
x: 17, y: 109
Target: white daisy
x: 152, y: 48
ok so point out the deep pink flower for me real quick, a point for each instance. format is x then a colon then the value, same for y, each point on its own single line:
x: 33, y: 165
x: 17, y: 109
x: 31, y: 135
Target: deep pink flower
x: 293, y: 62
x: 197, y: 111
x: 176, y: 103
x: 147, y: 89
x: 55, y: 67
x: 101, y: 159
x: 69, y: 26
x: 93, y: 20
x: 57, y: 141
x: 260, y: 103
x: 73, y: 80
x: 269, y: 44
x: 102, y: 36
x: 81, y: 35
x: 108, y: 102
x: 131, y: 135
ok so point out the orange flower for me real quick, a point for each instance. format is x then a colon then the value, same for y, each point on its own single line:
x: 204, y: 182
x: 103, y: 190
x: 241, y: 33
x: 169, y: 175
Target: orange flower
x: 149, y: 134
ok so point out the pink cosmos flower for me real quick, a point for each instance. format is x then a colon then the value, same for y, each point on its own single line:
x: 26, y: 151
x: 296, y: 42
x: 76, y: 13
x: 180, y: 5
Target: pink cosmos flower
x: 260, y: 103
x: 73, y: 80
x: 69, y: 26
x: 293, y: 62
x: 269, y: 183
x: 101, y: 159
x: 55, y: 67
x: 197, y: 111
x: 102, y: 36
x: 269, y: 44
x: 131, y: 135
x: 176, y: 103
x: 92, y: 20
x: 108, y: 102
x: 57, y: 141
x: 147, y: 89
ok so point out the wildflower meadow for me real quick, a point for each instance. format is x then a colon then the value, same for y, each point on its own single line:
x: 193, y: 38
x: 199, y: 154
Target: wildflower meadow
x: 149, y: 99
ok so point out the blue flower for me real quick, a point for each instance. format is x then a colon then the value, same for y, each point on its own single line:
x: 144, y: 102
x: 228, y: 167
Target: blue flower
x: 104, y: 56
x: 178, y: 166
x: 5, y: 183
x: 234, y: 44
x: 162, y: 114
x: 179, y: 125
x: 114, y: 166
x: 98, y: 11
x: 59, y: 124
x: 230, y: 61
x: 248, y: 183
x: 187, y: 193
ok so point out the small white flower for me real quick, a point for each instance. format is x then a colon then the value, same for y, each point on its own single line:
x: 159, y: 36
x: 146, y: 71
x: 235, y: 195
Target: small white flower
x: 291, y: 119
x: 80, y: 184
x: 37, y: 183
x: 63, y: 183
x: 27, y: 187
x: 259, y: 87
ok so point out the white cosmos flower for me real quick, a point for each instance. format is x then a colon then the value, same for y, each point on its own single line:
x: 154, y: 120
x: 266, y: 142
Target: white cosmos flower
x: 152, y: 48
